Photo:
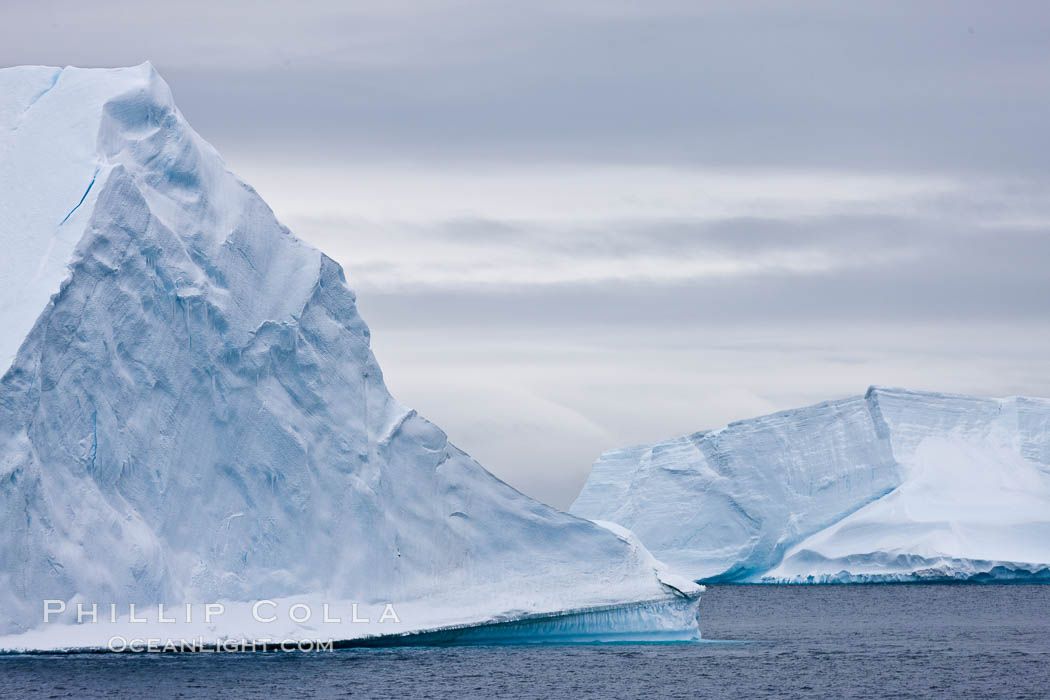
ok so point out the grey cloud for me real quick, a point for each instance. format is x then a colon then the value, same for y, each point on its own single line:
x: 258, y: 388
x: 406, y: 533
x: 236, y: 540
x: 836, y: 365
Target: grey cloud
x: 948, y: 294
x: 643, y: 382
x: 954, y: 275
x: 927, y: 85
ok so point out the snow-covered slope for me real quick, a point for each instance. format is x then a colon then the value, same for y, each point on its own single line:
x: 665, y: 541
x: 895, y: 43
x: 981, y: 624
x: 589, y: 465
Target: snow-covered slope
x: 893, y: 485
x: 190, y: 411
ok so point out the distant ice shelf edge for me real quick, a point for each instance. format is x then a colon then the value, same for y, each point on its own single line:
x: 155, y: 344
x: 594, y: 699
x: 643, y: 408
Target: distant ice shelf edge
x: 988, y: 573
x: 892, y: 486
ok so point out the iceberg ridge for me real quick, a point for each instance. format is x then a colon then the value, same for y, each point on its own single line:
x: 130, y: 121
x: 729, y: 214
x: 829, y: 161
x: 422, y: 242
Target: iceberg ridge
x: 190, y: 410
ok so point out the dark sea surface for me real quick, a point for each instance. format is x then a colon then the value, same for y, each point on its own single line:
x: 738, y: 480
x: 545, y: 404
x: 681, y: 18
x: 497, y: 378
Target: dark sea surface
x: 969, y: 641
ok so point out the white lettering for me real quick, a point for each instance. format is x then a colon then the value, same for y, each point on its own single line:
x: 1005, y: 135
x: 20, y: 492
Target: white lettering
x: 53, y: 607
x: 213, y: 609
x: 259, y: 604
x: 389, y: 614
x: 300, y: 606
x: 81, y: 613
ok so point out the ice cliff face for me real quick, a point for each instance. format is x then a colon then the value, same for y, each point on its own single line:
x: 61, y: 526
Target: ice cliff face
x: 893, y: 485
x: 190, y: 411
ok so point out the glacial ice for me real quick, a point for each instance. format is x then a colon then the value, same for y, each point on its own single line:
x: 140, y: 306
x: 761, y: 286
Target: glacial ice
x: 190, y: 413
x: 894, y: 485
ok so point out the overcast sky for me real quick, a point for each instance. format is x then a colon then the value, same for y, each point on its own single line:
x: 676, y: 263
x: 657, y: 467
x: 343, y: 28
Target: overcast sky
x: 584, y: 224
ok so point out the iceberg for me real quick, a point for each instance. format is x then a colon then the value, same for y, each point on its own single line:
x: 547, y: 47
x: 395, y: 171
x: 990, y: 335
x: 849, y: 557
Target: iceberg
x: 191, y: 416
x: 895, y: 485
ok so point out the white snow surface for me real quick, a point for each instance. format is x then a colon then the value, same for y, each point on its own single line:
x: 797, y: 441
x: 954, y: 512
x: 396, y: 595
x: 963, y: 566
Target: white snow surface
x: 894, y: 485
x: 190, y: 411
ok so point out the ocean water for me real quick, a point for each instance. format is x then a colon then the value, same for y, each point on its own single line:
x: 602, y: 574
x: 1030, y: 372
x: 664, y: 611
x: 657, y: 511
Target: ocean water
x: 968, y: 641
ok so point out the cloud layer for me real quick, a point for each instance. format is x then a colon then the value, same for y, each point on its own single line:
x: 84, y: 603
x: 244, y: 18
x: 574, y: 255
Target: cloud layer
x: 581, y: 224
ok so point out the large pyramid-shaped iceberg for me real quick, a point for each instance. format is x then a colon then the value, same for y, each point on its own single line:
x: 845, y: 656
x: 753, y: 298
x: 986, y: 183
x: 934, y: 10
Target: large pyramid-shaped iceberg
x: 190, y: 413
x: 893, y: 485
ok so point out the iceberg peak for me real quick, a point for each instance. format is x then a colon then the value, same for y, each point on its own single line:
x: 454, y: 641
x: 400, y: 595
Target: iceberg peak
x: 190, y: 411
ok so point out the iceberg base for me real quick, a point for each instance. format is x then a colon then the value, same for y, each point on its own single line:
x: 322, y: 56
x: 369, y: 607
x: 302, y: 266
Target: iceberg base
x: 671, y: 619
x: 675, y: 620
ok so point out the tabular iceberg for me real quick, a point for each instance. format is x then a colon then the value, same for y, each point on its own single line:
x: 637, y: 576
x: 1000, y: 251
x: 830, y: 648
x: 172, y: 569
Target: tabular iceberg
x: 894, y: 485
x: 190, y: 412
